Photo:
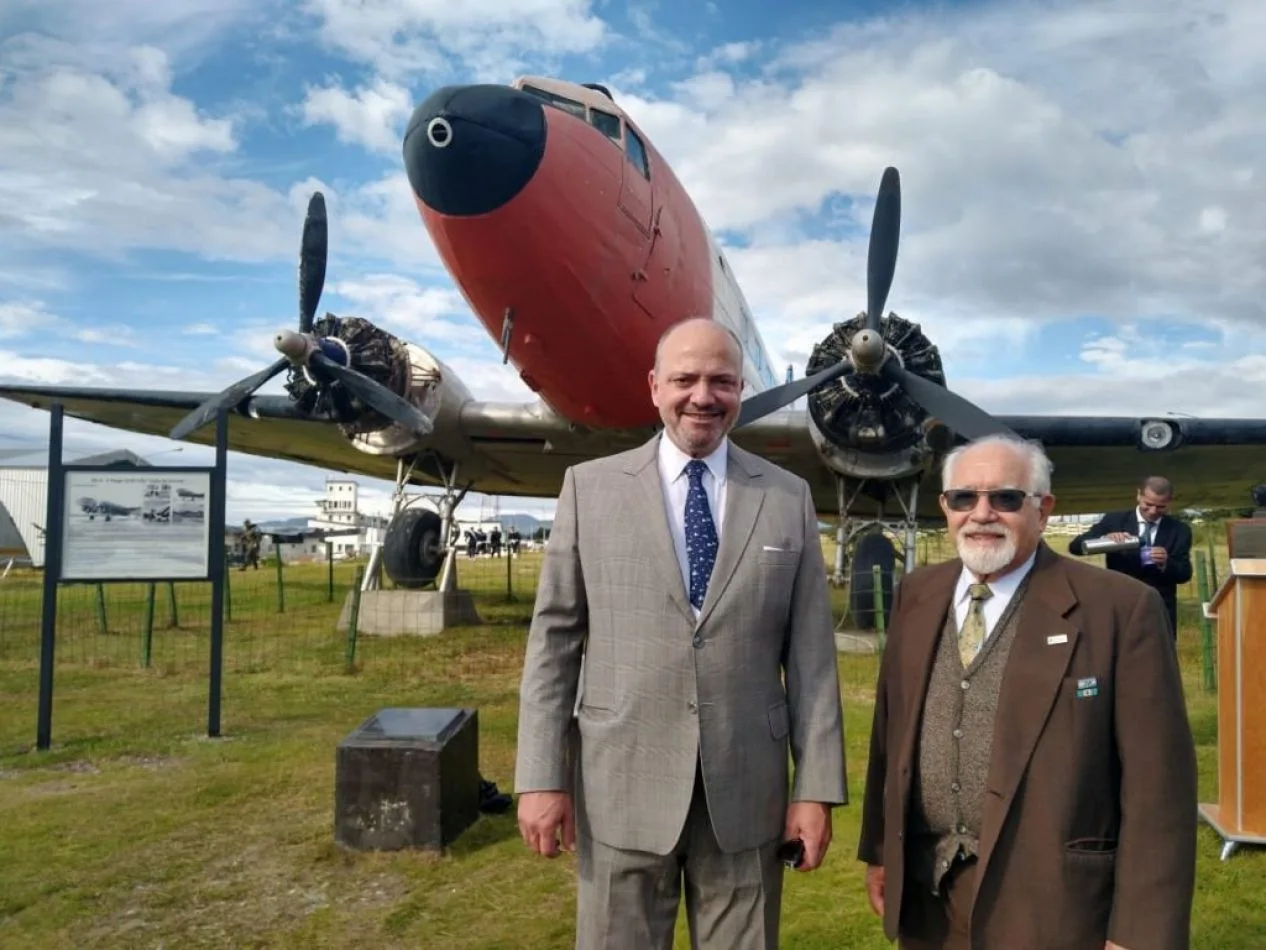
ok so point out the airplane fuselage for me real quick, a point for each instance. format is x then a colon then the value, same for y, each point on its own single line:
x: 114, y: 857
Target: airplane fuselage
x: 572, y: 240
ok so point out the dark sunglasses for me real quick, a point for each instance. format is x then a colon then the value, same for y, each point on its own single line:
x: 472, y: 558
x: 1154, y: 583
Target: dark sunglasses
x: 1006, y: 500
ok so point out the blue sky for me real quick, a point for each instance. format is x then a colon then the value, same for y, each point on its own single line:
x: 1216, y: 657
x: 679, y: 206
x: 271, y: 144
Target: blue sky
x: 1084, y: 227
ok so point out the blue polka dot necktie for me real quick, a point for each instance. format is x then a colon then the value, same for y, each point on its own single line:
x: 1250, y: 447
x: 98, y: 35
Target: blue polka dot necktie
x: 701, y: 534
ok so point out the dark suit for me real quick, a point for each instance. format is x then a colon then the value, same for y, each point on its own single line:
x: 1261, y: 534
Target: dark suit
x: 1088, y: 830
x: 1171, y: 534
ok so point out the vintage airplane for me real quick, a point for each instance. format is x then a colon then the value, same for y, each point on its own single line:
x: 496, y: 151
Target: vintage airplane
x: 576, y: 246
x: 106, y: 509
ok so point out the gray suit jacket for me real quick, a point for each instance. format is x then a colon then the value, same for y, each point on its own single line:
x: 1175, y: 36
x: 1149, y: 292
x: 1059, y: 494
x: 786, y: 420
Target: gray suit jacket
x: 661, y: 693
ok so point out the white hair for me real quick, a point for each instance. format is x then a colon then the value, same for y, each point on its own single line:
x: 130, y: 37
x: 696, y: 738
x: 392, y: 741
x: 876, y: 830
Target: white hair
x: 1034, y: 455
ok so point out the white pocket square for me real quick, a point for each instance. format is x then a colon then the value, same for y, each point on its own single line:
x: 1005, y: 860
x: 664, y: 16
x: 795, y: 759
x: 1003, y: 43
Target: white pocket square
x: 770, y: 547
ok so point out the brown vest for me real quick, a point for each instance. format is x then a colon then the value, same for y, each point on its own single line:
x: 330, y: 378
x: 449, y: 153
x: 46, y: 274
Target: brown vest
x: 955, y: 740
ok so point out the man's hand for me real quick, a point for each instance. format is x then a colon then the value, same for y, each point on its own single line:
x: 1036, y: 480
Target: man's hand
x: 875, y: 887
x: 1112, y: 946
x: 1120, y: 536
x: 811, y: 823
x: 1159, y: 556
x: 543, y: 818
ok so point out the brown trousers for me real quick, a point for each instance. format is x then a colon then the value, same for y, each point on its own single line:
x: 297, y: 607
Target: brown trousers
x: 939, y: 922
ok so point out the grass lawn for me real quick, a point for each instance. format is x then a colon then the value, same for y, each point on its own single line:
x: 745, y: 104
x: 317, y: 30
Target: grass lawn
x: 137, y: 831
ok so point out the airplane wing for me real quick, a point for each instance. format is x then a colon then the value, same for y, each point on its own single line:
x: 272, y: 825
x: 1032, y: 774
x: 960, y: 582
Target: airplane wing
x: 524, y: 448
x: 500, y: 448
x: 1099, y: 460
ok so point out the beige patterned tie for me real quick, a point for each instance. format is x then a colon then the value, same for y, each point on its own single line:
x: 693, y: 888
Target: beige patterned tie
x: 972, y: 635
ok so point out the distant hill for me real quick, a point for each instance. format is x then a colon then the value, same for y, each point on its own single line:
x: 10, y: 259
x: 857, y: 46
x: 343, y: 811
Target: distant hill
x: 527, y: 524
x: 282, y: 524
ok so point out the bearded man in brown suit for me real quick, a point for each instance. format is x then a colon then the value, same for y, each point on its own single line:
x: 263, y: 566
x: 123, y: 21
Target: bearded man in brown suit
x: 1032, y: 776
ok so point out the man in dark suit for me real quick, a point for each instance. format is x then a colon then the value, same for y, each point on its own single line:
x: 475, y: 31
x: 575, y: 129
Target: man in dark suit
x: 1163, y: 558
x: 1032, y: 776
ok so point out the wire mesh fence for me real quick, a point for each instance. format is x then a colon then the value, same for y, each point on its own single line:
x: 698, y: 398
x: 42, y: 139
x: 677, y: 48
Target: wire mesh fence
x: 123, y: 647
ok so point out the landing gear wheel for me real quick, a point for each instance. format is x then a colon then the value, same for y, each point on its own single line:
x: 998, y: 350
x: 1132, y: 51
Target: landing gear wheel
x: 872, y: 548
x: 413, y: 550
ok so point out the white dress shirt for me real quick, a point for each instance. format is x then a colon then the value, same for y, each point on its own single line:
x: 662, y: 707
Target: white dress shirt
x: 1003, y: 588
x: 676, y: 485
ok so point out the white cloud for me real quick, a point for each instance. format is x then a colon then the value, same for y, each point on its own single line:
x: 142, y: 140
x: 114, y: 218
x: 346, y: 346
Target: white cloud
x: 22, y: 317
x: 372, y: 116
x: 100, y: 31
x: 1090, y: 159
x: 1057, y: 162
x: 423, y: 315
x: 1131, y: 388
x: 491, y: 39
x: 104, y: 162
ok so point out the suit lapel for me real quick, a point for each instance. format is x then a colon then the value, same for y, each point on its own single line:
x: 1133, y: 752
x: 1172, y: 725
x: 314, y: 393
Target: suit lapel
x: 1043, y: 645
x: 649, y: 499
x: 743, y: 499
x: 920, y: 636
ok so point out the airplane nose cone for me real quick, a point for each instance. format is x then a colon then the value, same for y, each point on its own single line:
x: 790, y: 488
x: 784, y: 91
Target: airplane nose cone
x: 469, y: 149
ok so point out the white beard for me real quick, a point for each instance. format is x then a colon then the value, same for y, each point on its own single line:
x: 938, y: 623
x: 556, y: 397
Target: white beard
x: 985, y: 557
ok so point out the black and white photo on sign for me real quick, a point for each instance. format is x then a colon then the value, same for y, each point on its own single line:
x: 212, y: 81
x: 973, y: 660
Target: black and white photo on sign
x: 135, y: 525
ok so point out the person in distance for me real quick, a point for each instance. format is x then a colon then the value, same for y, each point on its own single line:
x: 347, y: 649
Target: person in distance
x: 1163, y: 557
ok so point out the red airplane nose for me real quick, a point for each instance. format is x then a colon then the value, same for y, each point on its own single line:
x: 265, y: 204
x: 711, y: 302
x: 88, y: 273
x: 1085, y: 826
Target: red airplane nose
x: 469, y: 149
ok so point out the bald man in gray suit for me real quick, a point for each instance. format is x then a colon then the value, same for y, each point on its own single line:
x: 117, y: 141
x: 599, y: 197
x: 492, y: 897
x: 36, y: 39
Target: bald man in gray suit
x: 689, y: 576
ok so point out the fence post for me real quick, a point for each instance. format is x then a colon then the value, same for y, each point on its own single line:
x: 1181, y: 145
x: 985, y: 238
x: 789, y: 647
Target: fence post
x: 147, y: 635
x: 228, y: 590
x: 353, y: 614
x: 281, y: 583
x: 877, y: 578
x: 1213, y: 560
x: 1209, y: 678
x: 102, y: 627
x: 329, y: 563
x: 173, y: 618
x: 509, y: 576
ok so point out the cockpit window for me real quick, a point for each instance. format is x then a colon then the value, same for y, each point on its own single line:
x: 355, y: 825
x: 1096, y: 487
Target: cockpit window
x: 606, y: 123
x: 637, y: 154
x: 559, y: 102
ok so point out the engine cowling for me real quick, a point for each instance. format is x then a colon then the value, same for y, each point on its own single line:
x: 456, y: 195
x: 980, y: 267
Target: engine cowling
x: 862, y: 424
x: 405, y: 368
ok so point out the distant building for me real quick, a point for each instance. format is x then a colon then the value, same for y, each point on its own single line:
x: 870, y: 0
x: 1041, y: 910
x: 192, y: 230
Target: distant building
x: 24, y: 498
x: 340, y: 511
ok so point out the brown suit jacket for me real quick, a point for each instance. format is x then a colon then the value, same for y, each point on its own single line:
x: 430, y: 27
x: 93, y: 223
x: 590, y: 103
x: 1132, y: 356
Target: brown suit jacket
x: 1089, y: 826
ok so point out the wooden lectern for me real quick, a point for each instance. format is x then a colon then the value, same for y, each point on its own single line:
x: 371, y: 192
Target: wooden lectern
x: 1239, y: 607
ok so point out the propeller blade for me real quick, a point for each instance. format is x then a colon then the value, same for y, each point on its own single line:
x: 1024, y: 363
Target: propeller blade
x: 312, y: 256
x: 771, y: 400
x: 226, y: 400
x: 963, y: 417
x: 374, y: 394
x: 885, y: 234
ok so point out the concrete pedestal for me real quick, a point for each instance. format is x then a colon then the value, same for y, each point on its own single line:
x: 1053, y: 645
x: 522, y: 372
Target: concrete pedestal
x: 856, y: 641
x: 407, y: 778
x: 424, y: 613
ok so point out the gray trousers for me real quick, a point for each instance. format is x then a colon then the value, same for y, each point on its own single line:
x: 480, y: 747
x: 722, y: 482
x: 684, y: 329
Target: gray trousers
x: 628, y: 900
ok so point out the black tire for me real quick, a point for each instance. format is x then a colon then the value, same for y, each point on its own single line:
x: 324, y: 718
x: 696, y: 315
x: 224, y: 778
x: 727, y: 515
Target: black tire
x: 412, y: 552
x: 871, y: 549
